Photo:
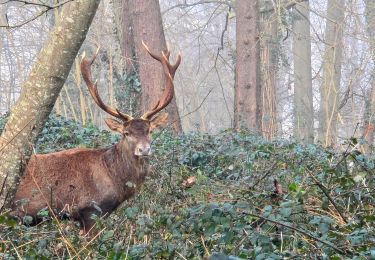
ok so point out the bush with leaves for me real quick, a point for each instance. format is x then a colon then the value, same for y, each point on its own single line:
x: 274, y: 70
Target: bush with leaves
x: 3, y: 121
x: 249, y: 199
x: 60, y: 133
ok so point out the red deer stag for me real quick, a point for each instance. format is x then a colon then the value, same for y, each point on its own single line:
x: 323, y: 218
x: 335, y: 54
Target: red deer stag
x: 83, y: 182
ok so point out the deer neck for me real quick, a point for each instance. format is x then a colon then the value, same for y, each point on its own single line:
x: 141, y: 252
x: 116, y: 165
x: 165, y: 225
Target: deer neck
x: 124, y: 165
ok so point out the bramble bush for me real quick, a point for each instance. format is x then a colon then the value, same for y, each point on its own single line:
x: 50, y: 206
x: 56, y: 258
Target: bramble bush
x: 249, y: 199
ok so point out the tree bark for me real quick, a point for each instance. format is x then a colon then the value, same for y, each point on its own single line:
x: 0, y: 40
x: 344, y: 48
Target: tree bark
x: 269, y: 58
x: 369, y: 116
x: 40, y: 92
x: 133, y: 104
x: 330, y: 88
x: 303, y: 97
x: 247, y: 96
x: 147, y: 26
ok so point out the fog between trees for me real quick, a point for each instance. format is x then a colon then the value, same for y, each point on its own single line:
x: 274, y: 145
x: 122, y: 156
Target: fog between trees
x: 205, y: 34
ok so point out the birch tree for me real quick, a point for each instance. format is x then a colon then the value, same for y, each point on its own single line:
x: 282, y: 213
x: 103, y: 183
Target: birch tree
x: 40, y: 92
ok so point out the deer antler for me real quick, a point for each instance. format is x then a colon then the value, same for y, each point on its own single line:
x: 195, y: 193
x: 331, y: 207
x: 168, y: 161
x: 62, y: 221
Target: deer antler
x: 169, y: 71
x: 86, y: 74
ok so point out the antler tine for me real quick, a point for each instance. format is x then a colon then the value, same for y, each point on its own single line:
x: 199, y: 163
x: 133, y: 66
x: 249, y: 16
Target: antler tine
x: 173, y: 68
x: 93, y: 89
x: 153, y: 55
x: 167, y: 54
x: 169, y: 71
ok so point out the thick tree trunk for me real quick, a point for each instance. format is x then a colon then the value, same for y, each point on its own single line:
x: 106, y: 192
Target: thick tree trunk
x: 133, y: 104
x: 40, y: 92
x: 247, y: 96
x: 147, y: 26
x: 303, y: 98
x: 330, y: 89
x: 369, y: 116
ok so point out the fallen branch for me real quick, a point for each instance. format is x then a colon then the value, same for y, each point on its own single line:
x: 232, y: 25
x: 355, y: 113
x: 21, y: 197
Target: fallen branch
x: 325, y: 191
x: 306, y: 233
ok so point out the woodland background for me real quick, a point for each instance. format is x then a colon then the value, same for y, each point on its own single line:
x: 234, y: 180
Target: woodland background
x: 205, y: 33
x: 273, y: 119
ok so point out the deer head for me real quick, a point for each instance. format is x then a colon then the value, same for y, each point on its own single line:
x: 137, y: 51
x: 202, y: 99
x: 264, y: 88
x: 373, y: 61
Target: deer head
x: 135, y: 131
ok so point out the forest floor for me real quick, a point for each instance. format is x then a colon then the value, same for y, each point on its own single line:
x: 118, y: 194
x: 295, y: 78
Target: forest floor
x: 224, y: 196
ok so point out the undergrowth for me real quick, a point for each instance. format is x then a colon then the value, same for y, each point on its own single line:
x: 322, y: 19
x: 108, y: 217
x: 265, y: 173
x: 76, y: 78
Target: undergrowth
x: 230, y: 195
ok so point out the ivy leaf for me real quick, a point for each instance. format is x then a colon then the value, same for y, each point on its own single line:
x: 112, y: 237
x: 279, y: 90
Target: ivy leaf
x: 267, y: 210
x: 293, y: 187
x: 27, y: 220
x: 324, y: 227
x: 286, y: 212
x: 131, y: 212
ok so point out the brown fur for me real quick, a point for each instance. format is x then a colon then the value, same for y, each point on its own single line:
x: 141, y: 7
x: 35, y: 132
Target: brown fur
x: 82, y: 181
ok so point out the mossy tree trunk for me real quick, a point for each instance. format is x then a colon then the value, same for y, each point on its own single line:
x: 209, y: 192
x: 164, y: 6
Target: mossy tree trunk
x: 128, y: 95
x: 40, y: 92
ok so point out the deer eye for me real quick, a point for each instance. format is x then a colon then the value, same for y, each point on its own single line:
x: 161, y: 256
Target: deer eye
x: 126, y: 133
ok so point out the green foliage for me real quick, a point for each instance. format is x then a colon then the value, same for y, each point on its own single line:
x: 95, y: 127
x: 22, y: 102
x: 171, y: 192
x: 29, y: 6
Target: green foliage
x: 60, y: 133
x: 128, y: 93
x: 3, y: 121
x: 232, y: 211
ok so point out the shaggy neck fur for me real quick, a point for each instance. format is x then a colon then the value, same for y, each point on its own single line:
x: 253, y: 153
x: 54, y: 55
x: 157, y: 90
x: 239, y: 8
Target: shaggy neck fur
x: 126, y: 170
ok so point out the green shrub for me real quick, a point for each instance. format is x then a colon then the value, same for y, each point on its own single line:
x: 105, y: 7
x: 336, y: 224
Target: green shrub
x: 234, y: 209
x: 60, y: 133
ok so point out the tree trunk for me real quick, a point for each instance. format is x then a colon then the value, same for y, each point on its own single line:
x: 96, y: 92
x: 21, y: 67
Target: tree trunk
x: 247, y: 96
x: 133, y: 104
x: 40, y: 92
x: 147, y: 26
x: 369, y: 116
x: 303, y: 97
x: 330, y: 88
x: 269, y: 58
x: 126, y: 35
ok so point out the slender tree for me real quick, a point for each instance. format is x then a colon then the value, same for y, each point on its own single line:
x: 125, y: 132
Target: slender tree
x: 40, y: 92
x: 369, y: 116
x: 303, y: 98
x: 269, y: 57
x: 330, y: 88
x: 247, y: 110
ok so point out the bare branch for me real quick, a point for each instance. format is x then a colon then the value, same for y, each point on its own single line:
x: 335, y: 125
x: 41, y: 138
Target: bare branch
x: 45, y: 7
x: 284, y: 5
x: 304, y: 232
x: 185, y: 5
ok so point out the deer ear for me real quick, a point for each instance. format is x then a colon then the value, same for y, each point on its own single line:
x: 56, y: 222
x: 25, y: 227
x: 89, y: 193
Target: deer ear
x: 159, y: 121
x: 114, y: 125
